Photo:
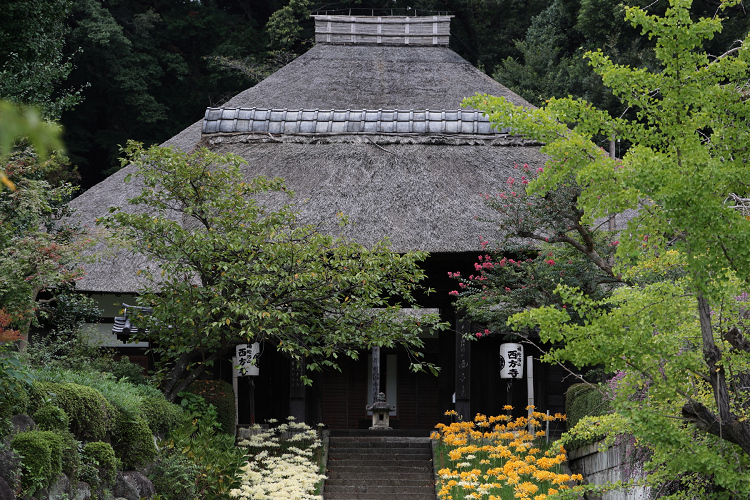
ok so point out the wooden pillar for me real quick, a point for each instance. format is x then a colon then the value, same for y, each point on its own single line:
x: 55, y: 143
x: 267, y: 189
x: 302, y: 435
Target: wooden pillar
x: 251, y: 398
x: 375, y: 375
x: 611, y: 222
x: 463, y: 370
x: 297, y: 391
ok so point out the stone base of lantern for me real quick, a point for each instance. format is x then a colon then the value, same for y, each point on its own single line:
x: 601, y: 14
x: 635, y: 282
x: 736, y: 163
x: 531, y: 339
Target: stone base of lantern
x: 381, y: 412
x: 381, y: 428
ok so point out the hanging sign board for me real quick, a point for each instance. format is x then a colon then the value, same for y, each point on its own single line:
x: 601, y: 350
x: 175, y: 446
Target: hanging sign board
x: 511, y: 360
x: 245, y: 356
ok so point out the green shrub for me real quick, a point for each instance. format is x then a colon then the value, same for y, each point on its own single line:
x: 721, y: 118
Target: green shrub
x: 71, y: 454
x: 101, y: 456
x: 221, y: 395
x: 132, y: 440
x: 91, y: 415
x: 583, y: 400
x: 57, y: 350
x: 160, y: 414
x: 14, y: 379
x: 88, y: 472
x: 14, y: 402
x: 214, y: 453
x: 122, y: 369
x: 50, y: 417
x: 42, y: 458
x: 173, y: 475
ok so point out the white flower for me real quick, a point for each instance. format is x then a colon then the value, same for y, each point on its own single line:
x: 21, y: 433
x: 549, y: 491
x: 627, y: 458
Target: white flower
x: 293, y: 474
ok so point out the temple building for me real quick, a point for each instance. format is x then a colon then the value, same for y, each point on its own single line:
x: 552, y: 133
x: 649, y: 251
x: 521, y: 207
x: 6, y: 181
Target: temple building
x: 368, y: 123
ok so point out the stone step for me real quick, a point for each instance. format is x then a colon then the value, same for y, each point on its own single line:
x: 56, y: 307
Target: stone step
x: 380, y: 490
x: 386, y: 463
x: 339, y: 475
x: 379, y: 448
x: 366, y: 454
x: 382, y: 442
x: 351, y: 468
x: 379, y: 467
x: 372, y: 496
x: 380, y: 481
x: 368, y: 434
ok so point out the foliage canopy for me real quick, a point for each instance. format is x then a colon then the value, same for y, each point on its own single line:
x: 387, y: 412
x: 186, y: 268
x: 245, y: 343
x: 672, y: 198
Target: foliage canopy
x: 230, y: 270
x: 684, y: 338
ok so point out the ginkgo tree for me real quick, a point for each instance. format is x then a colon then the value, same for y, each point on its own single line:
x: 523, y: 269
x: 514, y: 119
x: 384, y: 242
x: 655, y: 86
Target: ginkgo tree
x: 683, y: 342
x: 227, y: 269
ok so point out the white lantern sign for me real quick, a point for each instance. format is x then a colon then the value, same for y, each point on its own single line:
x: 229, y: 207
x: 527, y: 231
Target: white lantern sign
x: 245, y: 356
x: 511, y: 360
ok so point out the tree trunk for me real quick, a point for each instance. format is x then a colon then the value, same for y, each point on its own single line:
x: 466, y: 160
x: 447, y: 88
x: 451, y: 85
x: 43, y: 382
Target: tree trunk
x: 712, y: 357
x: 726, y: 424
x: 175, y: 383
x: 23, y: 342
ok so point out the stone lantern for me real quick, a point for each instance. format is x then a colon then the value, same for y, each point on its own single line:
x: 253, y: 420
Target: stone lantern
x: 380, y: 413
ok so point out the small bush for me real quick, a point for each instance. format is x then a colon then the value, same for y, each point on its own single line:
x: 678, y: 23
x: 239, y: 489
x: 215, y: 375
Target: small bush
x: 218, y: 460
x: 160, y: 414
x: 14, y: 402
x: 42, y: 458
x: 173, y: 475
x: 221, y: 395
x: 50, y: 417
x: 71, y: 455
x: 58, y: 350
x: 91, y: 415
x: 14, y: 379
x: 583, y: 400
x: 101, y: 456
x: 124, y: 369
x: 132, y: 440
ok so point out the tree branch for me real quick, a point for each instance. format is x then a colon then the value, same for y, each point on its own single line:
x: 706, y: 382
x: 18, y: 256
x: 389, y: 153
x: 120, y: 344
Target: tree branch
x: 737, y: 340
x: 730, y: 429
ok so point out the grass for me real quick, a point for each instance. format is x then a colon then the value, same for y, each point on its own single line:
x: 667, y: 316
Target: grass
x: 497, y: 458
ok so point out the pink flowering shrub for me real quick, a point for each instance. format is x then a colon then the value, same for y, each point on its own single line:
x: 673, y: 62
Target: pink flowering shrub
x: 539, y: 246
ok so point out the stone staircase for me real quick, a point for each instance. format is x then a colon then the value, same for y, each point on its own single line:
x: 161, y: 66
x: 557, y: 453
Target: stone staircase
x: 379, y: 467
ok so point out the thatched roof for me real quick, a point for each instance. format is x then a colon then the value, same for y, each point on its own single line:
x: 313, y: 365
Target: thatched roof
x: 358, y: 77
x: 421, y: 189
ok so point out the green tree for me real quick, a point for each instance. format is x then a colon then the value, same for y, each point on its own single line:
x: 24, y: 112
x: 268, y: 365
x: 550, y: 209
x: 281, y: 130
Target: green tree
x: 35, y: 252
x: 18, y: 123
x: 285, y: 25
x: 39, y: 250
x: 33, y: 64
x: 684, y: 339
x: 146, y: 69
x: 228, y: 270
x: 549, y: 60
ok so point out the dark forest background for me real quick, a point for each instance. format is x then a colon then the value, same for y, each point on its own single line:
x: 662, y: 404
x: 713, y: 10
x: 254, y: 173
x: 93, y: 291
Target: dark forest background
x: 113, y: 70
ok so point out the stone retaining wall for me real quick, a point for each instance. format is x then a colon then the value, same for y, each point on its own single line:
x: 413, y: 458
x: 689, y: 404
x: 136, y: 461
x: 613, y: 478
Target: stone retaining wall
x: 601, y: 467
